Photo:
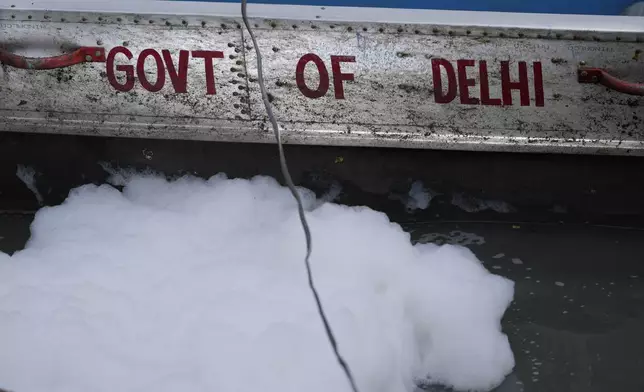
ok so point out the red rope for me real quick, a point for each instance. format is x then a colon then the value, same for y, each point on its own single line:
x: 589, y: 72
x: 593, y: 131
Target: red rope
x: 598, y: 75
x: 84, y: 54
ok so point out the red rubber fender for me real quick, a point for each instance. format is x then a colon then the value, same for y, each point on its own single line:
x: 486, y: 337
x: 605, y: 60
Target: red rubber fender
x: 85, y: 54
x: 601, y: 76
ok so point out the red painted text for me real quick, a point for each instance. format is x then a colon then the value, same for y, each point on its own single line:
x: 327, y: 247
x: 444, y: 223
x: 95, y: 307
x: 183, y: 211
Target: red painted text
x: 461, y: 79
x: 324, y: 82
x: 164, y: 65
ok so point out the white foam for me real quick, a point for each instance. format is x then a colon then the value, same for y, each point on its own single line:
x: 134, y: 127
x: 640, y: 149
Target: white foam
x: 196, y: 285
x: 455, y: 237
x: 27, y: 175
x: 419, y: 197
x: 472, y: 204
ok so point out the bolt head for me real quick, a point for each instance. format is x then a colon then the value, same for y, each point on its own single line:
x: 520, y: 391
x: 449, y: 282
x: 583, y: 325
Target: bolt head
x: 88, y: 58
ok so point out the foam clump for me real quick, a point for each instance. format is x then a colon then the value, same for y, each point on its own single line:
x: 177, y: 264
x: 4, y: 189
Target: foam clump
x: 195, y: 285
x: 419, y: 197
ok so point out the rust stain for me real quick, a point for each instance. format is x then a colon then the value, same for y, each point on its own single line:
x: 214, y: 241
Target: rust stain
x: 403, y: 54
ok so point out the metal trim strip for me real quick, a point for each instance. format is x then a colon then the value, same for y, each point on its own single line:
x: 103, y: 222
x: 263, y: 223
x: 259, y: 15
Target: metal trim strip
x: 595, y: 23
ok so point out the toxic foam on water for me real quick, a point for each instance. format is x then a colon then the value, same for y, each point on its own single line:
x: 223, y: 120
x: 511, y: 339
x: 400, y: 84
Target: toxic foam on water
x: 194, y: 285
x: 419, y: 197
x: 28, y: 176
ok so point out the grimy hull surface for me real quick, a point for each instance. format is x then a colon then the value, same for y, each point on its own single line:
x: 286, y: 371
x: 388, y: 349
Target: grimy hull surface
x: 362, y: 77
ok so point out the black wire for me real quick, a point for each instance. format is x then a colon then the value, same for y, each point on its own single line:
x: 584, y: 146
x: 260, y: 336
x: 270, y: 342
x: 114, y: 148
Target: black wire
x: 296, y: 195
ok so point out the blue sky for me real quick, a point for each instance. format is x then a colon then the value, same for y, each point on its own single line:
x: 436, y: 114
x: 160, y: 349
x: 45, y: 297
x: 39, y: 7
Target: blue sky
x: 595, y: 7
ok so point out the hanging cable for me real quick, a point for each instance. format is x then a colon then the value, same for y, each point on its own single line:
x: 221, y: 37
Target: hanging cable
x: 296, y: 195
